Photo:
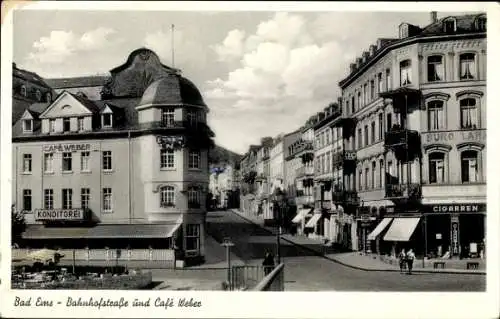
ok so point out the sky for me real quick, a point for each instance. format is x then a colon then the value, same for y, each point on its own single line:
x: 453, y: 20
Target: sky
x: 260, y: 73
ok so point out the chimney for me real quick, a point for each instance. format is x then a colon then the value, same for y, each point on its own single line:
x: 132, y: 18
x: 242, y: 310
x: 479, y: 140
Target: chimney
x: 373, y: 48
x: 352, y: 67
x: 358, y: 62
x: 433, y: 16
x: 365, y: 56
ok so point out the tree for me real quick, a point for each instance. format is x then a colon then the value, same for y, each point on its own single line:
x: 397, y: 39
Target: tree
x: 18, y: 224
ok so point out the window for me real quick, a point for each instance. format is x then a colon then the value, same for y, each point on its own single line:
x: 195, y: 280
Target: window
x: 107, y: 163
x: 468, y: 114
x: 328, y: 163
x: 27, y: 199
x: 360, y: 182
x: 327, y: 133
x: 85, y: 198
x: 67, y: 198
x: 373, y: 132
x: 367, y: 172
x: 167, y: 158
x: 347, y: 109
x: 467, y: 66
x: 27, y: 161
x: 167, y: 196
x: 366, y: 135
x: 436, y: 115
x: 194, y: 160
x: 80, y: 124
x: 52, y: 126
x: 193, y: 198
x: 365, y: 93
x: 353, y: 105
x: 435, y: 68
x: 48, y: 199
x: 436, y: 168
x: 38, y: 96
x: 167, y: 116
x: 381, y: 173
x: 27, y: 126
x: 380, y: 126
x: 403, y: 31
x: 66, y: 124
x: 48, y: 162
x: 450, y: 26
x: 481, y: 23
x: 360, y: 138
x: 84, y: 161
x: 192, y: 117
x: 48, y: 97
x: 389, y: 168
x: 359, y: 100
x: 388, y: 84
x: 192, y: 237
x: 24, y: 92
x: 469, y: 167
x: 322, y: 136
x: 380, y: 83
x: 107, y: 120
x: 323, y: 166
x: 67, y: 162
x: 107, y: 199
x: 405, y: 72
x: 372, y: 90
x: 389, y: 122
x: 374, y: 169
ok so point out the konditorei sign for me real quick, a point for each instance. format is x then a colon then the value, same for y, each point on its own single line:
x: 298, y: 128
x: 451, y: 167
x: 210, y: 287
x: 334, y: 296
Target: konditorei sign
x: 59, y: 214
x: 458, y: 208
x: 54, y: 148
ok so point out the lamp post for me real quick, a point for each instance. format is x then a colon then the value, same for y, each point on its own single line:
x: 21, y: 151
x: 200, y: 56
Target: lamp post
x: 228, y: 244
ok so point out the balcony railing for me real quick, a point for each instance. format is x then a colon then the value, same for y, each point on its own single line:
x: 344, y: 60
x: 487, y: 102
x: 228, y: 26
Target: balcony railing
x: 303, y: 147
x: 409, y: 191
x: 304, y: 171
x: 345, y: 197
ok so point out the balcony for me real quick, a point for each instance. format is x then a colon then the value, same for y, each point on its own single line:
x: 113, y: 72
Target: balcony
x: 344, y: 197
x: 344, y: 158
x: 412, y: 191
x: 305, y: 147
x: 304, y: 171
x: 406, y: 144
x: 404, y: 99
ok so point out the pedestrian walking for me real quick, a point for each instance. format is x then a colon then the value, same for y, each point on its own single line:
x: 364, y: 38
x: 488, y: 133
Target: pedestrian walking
x: 402, y: 261
x: 268, y: 263
x: 410, y: 257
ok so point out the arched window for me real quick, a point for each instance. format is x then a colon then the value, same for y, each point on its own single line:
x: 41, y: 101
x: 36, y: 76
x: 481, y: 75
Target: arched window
x: 24, y: 92
x: 405, y: 72
x: 38, y: 96
x: 435, y: 112
x: 167, y: 196
x: 193, y: 197
x: 450, y: 25
x: 468, y: 113
x: 467, y: 66
x: 381, y: 173
x: 48, y: 97
x: 436, y: 168
x: 435, y: 68
x: 469, y: 166
x: 481, y: 23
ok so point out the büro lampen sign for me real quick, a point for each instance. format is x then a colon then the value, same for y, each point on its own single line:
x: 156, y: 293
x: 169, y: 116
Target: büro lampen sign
x: 55, y: 148
x: 59, y: 214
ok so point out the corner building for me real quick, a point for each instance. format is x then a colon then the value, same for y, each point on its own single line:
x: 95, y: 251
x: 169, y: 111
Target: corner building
x: 419, y: 103
x: 129, y: 170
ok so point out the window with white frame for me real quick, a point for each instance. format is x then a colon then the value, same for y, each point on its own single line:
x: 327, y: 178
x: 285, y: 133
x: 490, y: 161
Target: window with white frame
x: 360, y: 180
x: 435, y: 68
x: 435, y: 111
x: 380, y: 83
x: 80, y: 124
x: 327, y: 133
x: 107, y: 199
x: 52, y: 126
x: 367, y: 174
x: 85, y: 198
x: 467, y: 66
x: 360, y: 103
x: 436, y: 168
x: 167, y: 158
x: 107, y: 120
x: 167, y: 116
x: 388, y: 81
x: 167, y: 196
x: 193, y: 197
x: 27, y: 163
x: 28, y: 126
x: 67, y: 198
x: 192, y: 117
x: 469, y: 160
x: 193, y: 237
x: 405, y: 72
x: 365, y: 93
x: 468, y: 114
x: 481, y: 23
x: 66, y: 124
x: 67, y: 162
x: 48, y: 199
x: 381, y: 173
x: 328, y: 163
x: 107, y: 163
x: 27, y: 199
x: 194, y: 161
x: 48, y: 162
x: 85, y: 161
x: 373, y: 132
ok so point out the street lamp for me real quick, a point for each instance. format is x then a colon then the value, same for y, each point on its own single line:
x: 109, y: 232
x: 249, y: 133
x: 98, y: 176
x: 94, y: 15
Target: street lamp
x: 228, y: 244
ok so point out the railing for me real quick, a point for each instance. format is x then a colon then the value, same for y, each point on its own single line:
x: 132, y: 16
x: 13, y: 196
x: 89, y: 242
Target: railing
x: 412, y: 190
x: 305, y: 146
x: 345, y: 197
x: 274, y: 281
x: 246, y: 277
x: 398, y: 137
x: 304, y: 170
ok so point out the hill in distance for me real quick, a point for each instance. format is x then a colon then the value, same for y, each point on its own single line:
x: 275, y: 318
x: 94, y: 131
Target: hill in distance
x: 219, y: 154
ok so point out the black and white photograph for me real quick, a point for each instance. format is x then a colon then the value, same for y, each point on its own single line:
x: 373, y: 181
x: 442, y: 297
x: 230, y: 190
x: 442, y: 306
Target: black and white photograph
x: 158, y: 152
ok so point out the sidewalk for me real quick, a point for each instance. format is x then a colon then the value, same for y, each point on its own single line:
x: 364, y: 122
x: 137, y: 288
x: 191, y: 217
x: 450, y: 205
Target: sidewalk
x: 374, y: 263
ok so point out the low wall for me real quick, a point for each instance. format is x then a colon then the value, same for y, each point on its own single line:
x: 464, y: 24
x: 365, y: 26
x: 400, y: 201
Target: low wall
x: 274, y: 281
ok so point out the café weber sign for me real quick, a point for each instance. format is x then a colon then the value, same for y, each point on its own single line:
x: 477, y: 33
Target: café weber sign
x: 59, y: 214
x: 59, y: 148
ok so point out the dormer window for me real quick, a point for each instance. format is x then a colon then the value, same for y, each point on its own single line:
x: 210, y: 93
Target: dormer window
x: 48, y: 97
x: 28, y: 126
x: 66, y: 124
x: 481, y: 23
x: 24, y: 92
x: 450, y: 25
x: 107, y: 120
x: 403, y: 31
x: 38, y: 95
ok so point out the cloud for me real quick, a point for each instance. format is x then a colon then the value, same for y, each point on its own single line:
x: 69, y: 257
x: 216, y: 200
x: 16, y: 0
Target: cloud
x: 232, y: 46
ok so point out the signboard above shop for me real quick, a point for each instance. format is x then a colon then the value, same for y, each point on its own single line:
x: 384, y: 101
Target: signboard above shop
x: 59, y: 214
x: 59, y: 148
x: 456, y: 208
x: 454, y: 137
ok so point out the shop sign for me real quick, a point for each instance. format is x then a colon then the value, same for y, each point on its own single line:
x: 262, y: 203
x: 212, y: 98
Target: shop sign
x: 439, y: 236
x: 455, y: 137
x: 458, y: 208
x: 55, y: 148
x: 454, y: 238
x: 59, y: 214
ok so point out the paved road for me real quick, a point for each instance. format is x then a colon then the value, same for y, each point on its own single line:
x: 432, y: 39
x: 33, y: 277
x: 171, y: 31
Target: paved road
x: 319, y: 274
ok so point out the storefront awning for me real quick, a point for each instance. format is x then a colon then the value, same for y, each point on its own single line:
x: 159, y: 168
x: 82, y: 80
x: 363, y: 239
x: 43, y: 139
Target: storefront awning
x: 380, y: 228
x: 401, y: 229
x: 300, y: 216
x: 101, y: 231
x: 313, y: 221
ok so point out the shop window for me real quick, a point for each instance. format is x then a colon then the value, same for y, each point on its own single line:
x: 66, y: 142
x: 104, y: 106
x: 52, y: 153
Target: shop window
x: 27, y: 126
x: 435, y: 68
x: 167, y: 158
x: 468, y: 114
x: 405, y: 72
x: 67, y: 198
x: 85, y: 198
x: 467, y: 66
x: 167, y: 196
x: 107, y: 163
x: 67, y: 162
x: 27, y: 199
x: 469, y: 160
x: 436, y: 168
x: 193, y: 197
x: 107, y: 200
x: 48, y: 199
x: 192, y: 238
x: 84, y: 161
x: 194, y: 160
x: 435, y: 111
x: 27, y: 163
x: 48, y: 162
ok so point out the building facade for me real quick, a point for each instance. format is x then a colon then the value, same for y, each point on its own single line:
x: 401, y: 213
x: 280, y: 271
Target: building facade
x: 419, y: 103
x: 128, y: 170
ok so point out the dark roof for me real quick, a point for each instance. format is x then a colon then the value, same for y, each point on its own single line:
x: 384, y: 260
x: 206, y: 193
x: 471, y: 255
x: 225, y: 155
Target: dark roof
x: 19, y: 105
x: 132, y: 56
x: 28, y: 76
x: 172, y: 89
x: 75, y: 82
x: 465, y: 24
x: 90, y: 105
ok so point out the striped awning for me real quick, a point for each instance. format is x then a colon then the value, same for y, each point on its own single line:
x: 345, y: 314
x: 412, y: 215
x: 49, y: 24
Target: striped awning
x: 401, y: 229
x: 380, y: 228
x: 300, y: 216
x: 313, y: 221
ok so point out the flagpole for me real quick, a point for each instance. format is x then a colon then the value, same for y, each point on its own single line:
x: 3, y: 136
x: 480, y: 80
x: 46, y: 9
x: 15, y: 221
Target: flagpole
x: 172, y: 47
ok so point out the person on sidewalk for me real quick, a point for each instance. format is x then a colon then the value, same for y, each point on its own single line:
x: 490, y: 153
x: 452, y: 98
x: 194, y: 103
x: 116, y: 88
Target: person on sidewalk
x: 410, y: 257
x: 402, y: 261
x: 268, y: 263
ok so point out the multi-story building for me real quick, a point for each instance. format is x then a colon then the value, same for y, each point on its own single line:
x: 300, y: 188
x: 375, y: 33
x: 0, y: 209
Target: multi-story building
x: 222, y: 183
x: 420, y: 106
x: 292, y: 163
x: 129, y: 170
x: 248, y: 172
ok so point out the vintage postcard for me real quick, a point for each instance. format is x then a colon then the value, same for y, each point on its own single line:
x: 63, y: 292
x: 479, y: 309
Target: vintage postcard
x: 165, y: 159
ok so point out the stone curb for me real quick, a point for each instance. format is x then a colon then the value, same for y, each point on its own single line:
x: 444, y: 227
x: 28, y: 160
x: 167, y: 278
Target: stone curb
x: 458, y: 272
